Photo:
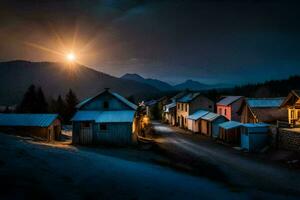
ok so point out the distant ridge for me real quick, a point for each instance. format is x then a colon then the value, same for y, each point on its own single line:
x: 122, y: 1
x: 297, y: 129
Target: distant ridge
x: 160, y: 85
x: 56, y: 78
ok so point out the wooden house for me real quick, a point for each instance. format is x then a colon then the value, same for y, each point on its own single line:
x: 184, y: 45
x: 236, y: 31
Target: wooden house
x: 45, y: 126
x: 292, y: 104
x: 209, y: 123
x: 230, y: 132
x: 228, y: 107
x: 254, y: 137
x: 255, y: 110
x: 189, y: 104
x: 193, y: 120
x: 105, y: 118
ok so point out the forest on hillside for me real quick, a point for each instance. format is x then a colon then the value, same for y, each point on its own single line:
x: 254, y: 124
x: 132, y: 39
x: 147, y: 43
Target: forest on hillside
x: 272, y: 88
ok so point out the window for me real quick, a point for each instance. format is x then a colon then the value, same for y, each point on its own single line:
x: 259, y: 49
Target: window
x: 185, y: 107
x: 225, y: 111
x: 103, y: 127
x: 105, y: 104
x: 178, y: 106
x: 220, y: 111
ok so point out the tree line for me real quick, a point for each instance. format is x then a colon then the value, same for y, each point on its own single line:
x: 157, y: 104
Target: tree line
x: 34, y: 101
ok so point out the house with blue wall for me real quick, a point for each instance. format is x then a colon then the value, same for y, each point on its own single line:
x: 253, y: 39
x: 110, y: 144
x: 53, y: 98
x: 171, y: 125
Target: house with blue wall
x: 254, y: 137
x: 105, y: 118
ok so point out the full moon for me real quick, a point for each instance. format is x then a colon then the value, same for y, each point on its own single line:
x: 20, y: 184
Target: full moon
x: 71, y: 57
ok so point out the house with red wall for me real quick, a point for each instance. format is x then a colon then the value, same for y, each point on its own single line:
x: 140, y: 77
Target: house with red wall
x: 228, y: 107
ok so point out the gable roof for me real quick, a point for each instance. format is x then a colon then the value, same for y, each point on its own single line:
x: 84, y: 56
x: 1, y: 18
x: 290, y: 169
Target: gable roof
x: 210, y: 116
x: 230, y: 125
x: 264, y: 102
x: 105, y: 116
x: 295, y: 93
x: 40, y: 120
x: 198, y: 114
x: 229, y: 100
x: 114, y: 94
x: 189, y: 97
x: 179, y: 95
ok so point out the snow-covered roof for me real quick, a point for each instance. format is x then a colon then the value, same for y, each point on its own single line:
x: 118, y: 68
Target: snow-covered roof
x: 230, y: 124
x: 124, y: 100
x: 264, y: 102
x: 251, y: 125
x: 210, y: 116
x: 228, y: 100
x: 198, y: 114
x: 40, y: 120
x: 116, y: 95
x: 189, y: 97
x: 105, y: 116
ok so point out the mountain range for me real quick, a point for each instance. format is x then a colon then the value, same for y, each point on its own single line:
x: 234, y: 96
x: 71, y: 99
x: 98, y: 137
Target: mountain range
x: 57, y: 78
x: 163, y: 86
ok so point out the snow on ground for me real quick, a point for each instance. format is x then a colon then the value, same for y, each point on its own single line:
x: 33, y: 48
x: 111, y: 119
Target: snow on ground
x: 30, y: 170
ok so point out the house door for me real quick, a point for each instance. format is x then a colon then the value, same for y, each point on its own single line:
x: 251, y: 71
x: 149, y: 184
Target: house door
x: 181, y: 121
x: 56, y: 132
x: 86, y: 133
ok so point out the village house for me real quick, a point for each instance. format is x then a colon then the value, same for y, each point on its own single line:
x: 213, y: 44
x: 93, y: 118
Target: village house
x: 194, y: 120
x: 44, y: 126
x: 189, y: 104
x: 255, y: 110
x: 169, y: 110
x: 105, y: 118
x: 209, y: 124
x: 169, y: 114
x: 292, y: 104
x: 228, y: 106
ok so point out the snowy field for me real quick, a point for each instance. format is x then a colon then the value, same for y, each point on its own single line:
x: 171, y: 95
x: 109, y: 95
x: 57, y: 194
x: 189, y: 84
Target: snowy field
x: 32, y: 170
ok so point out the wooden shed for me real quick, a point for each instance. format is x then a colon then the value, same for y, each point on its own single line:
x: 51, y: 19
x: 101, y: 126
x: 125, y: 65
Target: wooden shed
x: 194, y: 120
x: 210, y: 123
x: 254, y: 137
x: 45, y: 126
x: 230, y: 132
x: 105, y: 118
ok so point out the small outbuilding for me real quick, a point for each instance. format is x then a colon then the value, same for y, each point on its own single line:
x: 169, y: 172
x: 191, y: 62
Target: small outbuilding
x: 254, y: 137
x: 230, y: 132
x: 46, y: 126
x: 210, y: 123
x: 193, y: 120
x: 105, y: 118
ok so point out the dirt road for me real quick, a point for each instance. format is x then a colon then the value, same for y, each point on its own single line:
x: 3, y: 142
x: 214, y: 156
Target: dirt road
x: 243, y: 171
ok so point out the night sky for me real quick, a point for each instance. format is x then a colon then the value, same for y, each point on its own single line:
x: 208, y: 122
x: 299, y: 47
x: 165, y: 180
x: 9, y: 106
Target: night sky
x: 214, y: 41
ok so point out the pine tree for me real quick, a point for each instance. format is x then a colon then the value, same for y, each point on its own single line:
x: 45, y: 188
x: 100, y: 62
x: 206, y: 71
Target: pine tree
x: 28, y: 103
x: 61, y: 108
x: 41, y: 103
x: 71, y: 102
